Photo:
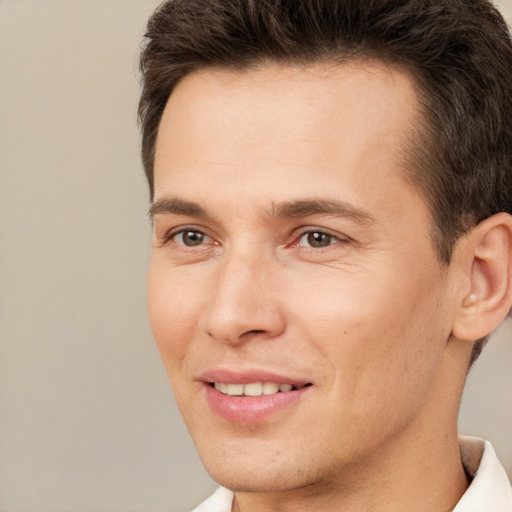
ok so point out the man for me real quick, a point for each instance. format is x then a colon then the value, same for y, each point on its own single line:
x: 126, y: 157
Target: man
x: 331, y: 192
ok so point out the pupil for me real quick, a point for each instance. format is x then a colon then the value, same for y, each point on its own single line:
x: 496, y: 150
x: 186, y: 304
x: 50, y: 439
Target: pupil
x: 192, y: 238
x: 318, y: 239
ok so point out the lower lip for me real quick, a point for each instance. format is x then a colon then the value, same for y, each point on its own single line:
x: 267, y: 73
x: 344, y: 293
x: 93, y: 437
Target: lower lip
x: 244, y: 409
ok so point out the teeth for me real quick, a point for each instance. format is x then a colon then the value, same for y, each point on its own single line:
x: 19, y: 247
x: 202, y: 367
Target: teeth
x: 235, y: 389
x: 222, y: 387
x: 269, y: 388
x: 252, y: 389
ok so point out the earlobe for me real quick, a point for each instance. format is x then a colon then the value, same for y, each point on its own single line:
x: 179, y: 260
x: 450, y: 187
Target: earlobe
x: 487, y: 298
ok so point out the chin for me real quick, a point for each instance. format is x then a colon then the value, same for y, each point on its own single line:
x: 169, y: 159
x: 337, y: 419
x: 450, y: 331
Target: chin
x: 241, y: 474
x: 245, y: 473
x: 248, y: 481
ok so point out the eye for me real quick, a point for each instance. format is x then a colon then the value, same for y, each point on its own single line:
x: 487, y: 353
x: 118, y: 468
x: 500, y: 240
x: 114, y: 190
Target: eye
x: 190, y: 237
x: 316, y: 239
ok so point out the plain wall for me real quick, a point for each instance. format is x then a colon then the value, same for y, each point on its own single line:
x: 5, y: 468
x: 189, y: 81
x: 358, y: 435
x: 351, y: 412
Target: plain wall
x: 87, y: 418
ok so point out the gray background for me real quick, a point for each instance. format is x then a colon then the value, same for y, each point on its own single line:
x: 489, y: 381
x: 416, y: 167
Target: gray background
x: 87, y: 419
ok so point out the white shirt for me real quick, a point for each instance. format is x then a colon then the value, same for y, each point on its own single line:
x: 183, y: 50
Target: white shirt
x: 489, y: 491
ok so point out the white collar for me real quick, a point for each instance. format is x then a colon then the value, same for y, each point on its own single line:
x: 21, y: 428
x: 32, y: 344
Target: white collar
x: 490, y: 489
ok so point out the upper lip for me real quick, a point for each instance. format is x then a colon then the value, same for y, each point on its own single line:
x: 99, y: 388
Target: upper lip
x: 249, y: 376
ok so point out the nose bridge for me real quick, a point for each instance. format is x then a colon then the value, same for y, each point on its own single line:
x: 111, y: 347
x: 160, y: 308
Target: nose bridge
x: 244, y: 302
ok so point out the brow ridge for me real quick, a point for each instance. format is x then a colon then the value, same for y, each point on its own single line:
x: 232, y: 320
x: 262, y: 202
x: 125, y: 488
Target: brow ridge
x: 177, y: 206
x: 309, y: 207
x: 286, y: 209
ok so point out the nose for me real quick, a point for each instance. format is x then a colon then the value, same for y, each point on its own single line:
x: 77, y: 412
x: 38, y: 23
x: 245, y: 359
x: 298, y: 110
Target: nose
x: 244, y: 304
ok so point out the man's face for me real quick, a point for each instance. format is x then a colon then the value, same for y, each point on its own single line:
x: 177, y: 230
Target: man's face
x: 289, y: 249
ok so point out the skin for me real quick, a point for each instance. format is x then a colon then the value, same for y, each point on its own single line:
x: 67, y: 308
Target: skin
x: 367, y: 319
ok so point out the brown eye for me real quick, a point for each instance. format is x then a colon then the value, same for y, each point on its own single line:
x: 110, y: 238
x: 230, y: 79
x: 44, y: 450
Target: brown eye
x: 190, y: 238
x: 316, y: 239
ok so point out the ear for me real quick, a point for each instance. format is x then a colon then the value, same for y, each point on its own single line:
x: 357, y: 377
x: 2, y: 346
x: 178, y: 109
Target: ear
x: 485, y: 258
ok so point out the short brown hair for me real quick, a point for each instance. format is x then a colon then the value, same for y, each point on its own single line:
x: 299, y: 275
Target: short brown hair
x: 458, y: 51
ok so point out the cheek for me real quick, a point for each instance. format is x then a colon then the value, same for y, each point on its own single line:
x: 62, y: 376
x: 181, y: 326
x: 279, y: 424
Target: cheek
x: 374, y: 331
x: 173, y: 309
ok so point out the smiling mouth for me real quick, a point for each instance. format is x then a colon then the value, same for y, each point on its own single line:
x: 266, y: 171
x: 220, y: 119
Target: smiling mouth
x: 255, y: 388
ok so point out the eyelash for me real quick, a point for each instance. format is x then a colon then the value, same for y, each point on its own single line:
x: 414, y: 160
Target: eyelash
x: 332, y: 239
x: 173, y: 235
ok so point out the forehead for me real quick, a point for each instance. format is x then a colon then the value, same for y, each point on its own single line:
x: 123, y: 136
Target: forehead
x: 284, y: 122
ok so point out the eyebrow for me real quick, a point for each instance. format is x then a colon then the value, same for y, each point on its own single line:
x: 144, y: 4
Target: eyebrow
x: 309, y: 207
x: 287, y: 209
x: 177, y: 206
